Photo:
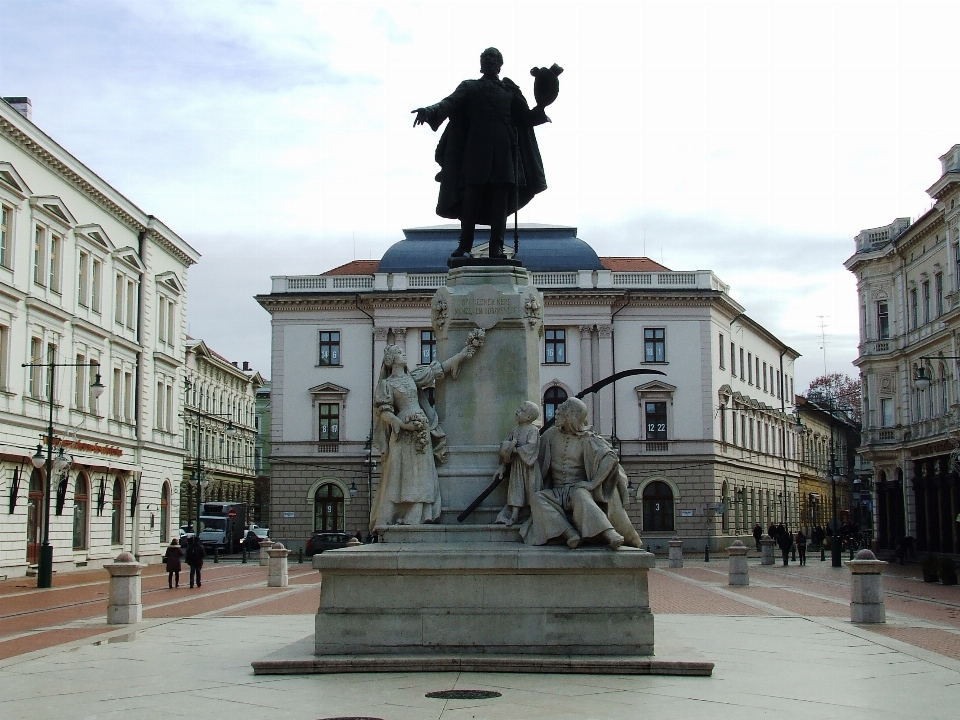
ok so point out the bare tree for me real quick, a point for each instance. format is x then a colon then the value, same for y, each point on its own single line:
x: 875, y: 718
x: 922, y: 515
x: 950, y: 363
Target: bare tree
x: 844, y: 391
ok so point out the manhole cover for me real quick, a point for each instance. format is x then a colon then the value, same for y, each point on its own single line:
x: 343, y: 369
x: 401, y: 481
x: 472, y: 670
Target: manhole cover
x: 464, y: 694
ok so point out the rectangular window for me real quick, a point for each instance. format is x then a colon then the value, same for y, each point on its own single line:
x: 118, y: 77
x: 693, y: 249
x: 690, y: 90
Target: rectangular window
x: 752, y: 445
x: 656, y: 413
x: 886, y: 412
x: 160, y: 408
x: 764, y: 376
x: 131, y: 305
x: 733, y: 425
x: 4, y: 350
x: 654, y: 345
x: 722, y: 351
x: 118, y: 300
x: 128, y: 397
x: 733, y: 359
x: 758, y: 371
x: 779, y: 388
x: 791, y: 388
x: 938, y: 290
x: 51, y: 358
x: 96, y: 270
x: 913, y: 309
x: 555, y: 346
x: 428, y: 347
x: 172, y: 334
x: 39, y: 256
x: 742, y: 372
x: 329, y: 421
x: 35, y: 345
x: 83, y: 280
x: 92, y: 401
x: 55, y: 245
x: 329, y: 348
x: 81, y: 384
x: 772, y: 386
x: 723, y: 416
x: 162, y: 319
x: 117, y: 393
x: 750, y: 369
x: 925, y: 287
x: 6, y: 229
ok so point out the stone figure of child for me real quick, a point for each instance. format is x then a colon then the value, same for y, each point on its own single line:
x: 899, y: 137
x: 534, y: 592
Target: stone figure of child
x: 518, y: 457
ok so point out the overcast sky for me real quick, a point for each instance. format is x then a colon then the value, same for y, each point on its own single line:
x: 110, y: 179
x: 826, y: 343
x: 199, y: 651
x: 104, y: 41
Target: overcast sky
x: 752, y: 139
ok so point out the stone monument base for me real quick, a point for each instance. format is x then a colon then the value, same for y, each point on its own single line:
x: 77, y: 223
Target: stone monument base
x: 481, y: 607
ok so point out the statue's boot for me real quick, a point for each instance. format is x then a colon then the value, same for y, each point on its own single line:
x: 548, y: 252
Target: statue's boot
x: 573, y: 539
x: 613, y: 538
x: 496, y: 250
x: 463, y: 249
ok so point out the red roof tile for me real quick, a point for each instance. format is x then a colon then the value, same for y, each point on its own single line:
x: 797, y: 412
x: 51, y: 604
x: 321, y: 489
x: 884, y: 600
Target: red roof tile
x: 632, y: 264
x: 355, y: 267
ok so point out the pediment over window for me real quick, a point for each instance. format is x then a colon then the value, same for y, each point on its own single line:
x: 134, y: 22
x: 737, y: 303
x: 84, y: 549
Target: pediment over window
x: 12, y: 181
x: 170, y: 281
x: 129, y: 256
x: 96, y: 235
x: 55, y: 209
x: 329, y: 392
x: 655, y: 386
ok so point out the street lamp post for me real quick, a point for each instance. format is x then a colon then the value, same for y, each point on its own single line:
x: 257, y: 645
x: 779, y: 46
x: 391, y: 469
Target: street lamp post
x: 197, y: 479
x: 45, y: 561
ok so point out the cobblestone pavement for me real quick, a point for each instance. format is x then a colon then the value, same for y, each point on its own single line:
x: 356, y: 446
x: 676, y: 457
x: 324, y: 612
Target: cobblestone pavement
x: 191, y: 655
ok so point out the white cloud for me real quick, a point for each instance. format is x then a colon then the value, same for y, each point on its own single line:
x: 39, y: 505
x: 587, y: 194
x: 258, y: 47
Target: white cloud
x: 754, y: 139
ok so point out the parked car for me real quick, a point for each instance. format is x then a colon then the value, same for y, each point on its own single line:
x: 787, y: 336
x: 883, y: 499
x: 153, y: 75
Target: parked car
x: 261, y: 532
x: 251, y: 541
x: 320, y: 541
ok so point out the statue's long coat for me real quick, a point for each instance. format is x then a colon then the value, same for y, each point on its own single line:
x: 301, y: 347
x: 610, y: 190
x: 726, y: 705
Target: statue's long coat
x: 477, y: 145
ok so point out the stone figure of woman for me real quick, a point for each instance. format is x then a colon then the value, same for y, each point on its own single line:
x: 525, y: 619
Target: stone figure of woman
x: 407, y: 431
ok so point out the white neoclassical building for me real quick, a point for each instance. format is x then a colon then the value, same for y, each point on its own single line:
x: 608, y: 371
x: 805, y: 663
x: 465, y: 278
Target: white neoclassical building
x: 93, y: 285
x: 714, y: 429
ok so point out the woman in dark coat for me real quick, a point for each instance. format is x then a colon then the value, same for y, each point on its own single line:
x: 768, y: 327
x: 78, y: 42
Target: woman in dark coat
x: 785, y: 541
x: 172, y: 558
x: 195, y: 555
x: 802, y: 547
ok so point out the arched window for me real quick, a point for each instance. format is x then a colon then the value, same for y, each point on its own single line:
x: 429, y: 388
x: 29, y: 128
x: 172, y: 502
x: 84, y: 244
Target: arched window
x: 328, y: 508
x: 657, y: 507
x: 81, y: 509
x: 116, y: 513
x: 164, y: 512
x: 552, y: 399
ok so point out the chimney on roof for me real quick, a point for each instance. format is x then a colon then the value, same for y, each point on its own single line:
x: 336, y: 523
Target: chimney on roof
x: 235, y: 364
x: 22, y: 105
x: 246, y: 366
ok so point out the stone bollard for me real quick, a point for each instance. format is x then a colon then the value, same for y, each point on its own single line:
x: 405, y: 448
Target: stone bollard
x: 277, y: 574
x: 353, y: 542
x: 265, y: 546
x: 766, y: 549
x: 125, y: 606
x: 738, y: 574
x: 676, y: 553
x: 866, y: 589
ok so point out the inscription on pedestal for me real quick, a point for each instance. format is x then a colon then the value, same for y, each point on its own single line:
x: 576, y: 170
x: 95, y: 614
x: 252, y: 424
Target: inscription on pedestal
x: 486, y: 306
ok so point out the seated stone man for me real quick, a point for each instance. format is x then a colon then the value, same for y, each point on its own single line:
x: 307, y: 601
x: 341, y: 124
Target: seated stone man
x: 586, y: 487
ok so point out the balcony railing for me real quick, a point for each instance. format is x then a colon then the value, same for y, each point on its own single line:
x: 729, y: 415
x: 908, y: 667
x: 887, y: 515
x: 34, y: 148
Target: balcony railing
x: 581, y: 279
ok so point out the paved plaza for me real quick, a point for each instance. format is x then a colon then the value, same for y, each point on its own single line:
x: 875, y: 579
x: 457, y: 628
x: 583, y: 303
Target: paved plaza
x: 783, y: 648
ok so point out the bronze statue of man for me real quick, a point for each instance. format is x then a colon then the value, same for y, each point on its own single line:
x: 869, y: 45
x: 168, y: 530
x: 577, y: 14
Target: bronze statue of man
x: 489, y: 160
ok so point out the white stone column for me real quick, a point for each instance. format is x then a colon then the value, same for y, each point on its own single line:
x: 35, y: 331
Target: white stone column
x: 676, y: 553
x: 866, y: 589
x: 738, y: 573
x: 379, y: 344
x: 586, y: 366
x: 125, y: 606
x: 766, y: 549
x: 400, y: 338
x: 265, y: 546
x: 604, y: 417
x: 277, y: 574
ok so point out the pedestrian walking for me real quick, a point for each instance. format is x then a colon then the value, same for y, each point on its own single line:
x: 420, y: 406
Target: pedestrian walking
x: 801, y: 541
x: 172, y: 558
x: 785, y: 541
x: 757, y: 534
x: 195, y: 555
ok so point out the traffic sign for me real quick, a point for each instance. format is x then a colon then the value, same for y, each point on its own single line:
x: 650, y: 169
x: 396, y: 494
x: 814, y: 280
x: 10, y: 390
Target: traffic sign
x: 232, y: 513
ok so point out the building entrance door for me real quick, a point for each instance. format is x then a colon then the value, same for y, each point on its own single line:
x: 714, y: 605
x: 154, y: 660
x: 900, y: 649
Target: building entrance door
x: 34, y: 516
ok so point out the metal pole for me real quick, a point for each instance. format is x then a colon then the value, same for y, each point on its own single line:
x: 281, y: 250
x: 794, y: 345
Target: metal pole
x: 45, y: 561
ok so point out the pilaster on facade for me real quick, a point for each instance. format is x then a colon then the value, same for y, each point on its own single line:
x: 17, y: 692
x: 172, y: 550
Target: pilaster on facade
x: 81, y: 271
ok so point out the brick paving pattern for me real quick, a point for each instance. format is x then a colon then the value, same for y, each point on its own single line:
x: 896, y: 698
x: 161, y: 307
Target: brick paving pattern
x: 942, y: 642
x: 669, y: 594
